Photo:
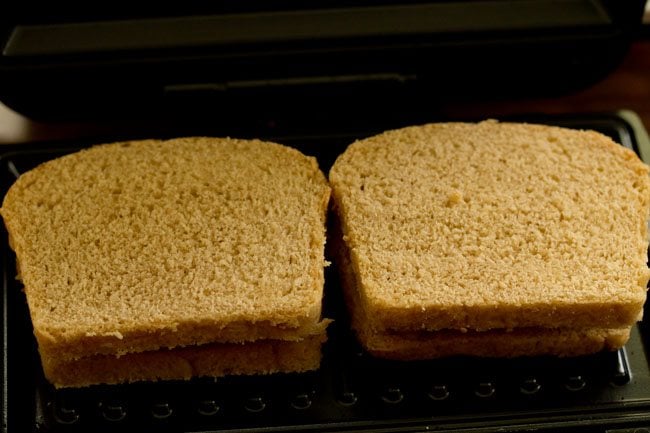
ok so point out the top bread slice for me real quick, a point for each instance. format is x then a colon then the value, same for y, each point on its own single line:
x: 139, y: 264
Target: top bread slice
x: 494, y: 226
x: 140, y: 245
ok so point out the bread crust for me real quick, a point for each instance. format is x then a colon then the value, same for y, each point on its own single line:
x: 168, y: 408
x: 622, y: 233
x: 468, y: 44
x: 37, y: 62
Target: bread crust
x: 495, y: 344
x: 210, y: 360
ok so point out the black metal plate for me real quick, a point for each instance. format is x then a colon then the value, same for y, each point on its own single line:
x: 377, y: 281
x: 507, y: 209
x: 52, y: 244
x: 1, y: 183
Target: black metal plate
x: 351, y: 391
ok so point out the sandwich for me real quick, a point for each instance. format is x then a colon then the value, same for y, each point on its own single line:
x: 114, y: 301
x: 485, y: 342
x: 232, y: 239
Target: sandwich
x: 171, y: 259
x: 490, y: 239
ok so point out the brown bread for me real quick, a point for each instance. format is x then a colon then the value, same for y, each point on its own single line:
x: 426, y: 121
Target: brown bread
x: 136, y: 246
x: 493, y: 226
x: 183, y: 363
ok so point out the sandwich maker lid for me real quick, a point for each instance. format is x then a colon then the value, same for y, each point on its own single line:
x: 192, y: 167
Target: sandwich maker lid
x: 233, y: 57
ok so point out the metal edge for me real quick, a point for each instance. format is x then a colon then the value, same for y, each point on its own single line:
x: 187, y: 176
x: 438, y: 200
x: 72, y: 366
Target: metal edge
x: 5, y: 334
x: 4, y: 371
x: 405, y: 19
x: 640, y: 132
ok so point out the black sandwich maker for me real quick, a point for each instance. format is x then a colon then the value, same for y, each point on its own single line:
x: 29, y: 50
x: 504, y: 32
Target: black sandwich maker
x: 314, y: 76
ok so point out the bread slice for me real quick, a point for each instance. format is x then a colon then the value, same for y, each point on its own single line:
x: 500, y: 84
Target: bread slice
x: 141, y: 245
x: 494, y: 344
x: 212, y: 360
x: 494, y: 226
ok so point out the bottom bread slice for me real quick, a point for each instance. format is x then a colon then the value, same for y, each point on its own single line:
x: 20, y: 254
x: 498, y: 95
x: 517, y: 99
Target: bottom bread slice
x: 499, y: 343
x: 212, y: 360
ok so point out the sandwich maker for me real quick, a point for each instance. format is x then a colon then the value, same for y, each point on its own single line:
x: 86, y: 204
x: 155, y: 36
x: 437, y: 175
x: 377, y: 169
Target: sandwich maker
x: 314, y: 76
